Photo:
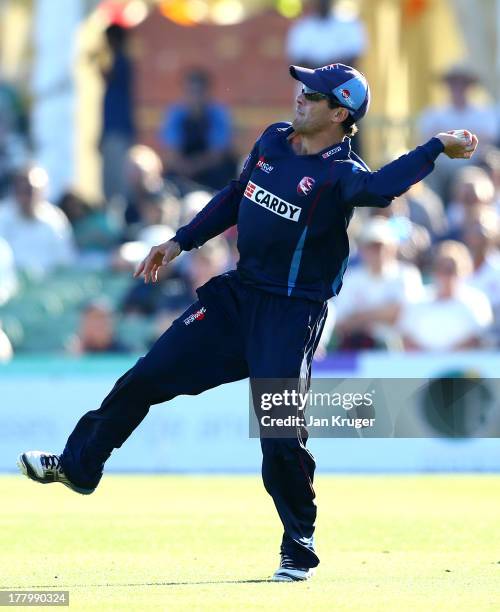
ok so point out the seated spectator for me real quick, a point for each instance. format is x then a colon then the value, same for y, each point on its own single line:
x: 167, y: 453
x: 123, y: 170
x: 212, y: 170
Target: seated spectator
x: 96, y: 333
x: 177, y: 285
x: 144, y: 177
x: 481, y: 120
x: 38, y: 232
x: 6, y: 350
x: 196, y: 135
x: 413, y: 240
x: 95, y: 230
x: 451, y: 316
x: 373, y: 292
x: 326, y: 36
x: 426, y: 209
x: 152, y: 227
x: 8, y: 277
x: 472, y: 190
x: 481, y: 236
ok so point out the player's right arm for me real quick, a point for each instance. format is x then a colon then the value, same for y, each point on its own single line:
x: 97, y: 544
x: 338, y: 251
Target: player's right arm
x: 218, y: 215
x: 362, y: 188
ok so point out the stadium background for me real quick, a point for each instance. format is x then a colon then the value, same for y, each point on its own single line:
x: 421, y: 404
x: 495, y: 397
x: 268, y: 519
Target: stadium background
x: 51, y: 54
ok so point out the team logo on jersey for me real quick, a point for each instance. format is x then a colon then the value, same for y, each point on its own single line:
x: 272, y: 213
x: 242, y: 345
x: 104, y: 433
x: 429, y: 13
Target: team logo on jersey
x: 196, y: 316
x: 305, y: 186
x: 267, y: 168
x: 331, y: 152
x: 268, y: 200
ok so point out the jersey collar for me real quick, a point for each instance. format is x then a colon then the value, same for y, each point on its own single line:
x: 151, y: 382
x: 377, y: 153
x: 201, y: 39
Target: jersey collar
x: 341, y: 150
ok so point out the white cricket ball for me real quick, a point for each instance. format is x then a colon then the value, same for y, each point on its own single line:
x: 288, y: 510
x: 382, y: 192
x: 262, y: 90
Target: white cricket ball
x: 464, y: 135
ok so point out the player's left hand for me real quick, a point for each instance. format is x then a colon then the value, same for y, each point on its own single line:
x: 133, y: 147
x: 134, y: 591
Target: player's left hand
x: 159, y: 256
x: 458, y: 144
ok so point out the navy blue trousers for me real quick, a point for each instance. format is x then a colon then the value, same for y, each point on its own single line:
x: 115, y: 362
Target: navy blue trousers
x: 233, y: 332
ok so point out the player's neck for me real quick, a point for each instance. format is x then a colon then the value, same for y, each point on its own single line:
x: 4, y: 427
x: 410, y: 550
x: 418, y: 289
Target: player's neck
x: 314, y: 143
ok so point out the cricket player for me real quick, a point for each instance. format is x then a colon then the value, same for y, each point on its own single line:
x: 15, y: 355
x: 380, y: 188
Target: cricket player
x: 292, y: 204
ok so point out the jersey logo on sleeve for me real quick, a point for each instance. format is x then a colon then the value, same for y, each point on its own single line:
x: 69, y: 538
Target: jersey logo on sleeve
x: 268, y: 200
x: 265, y: 167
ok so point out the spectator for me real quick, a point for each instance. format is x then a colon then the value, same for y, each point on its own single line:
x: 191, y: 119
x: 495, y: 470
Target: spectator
x: 452, y: 315
x: 326, y: 36
x: 472, y: 190
x: 196, y: 135
x: 96, y: 332
x: 8, y: 277
x: 151, y: 229
x: 144, y: 181
x: 373, y: 292
x: 481, y: 120
x: 426, y: 209
x: 413, y: 240
x: 481, y: 236
x: 38, y: 232
x: 96, y: 231
x: 177, y: 288
x: 118, y: 129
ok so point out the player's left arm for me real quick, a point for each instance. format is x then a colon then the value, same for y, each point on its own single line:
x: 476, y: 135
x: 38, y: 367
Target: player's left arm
x: 218, y: 215
x: 361, y: 188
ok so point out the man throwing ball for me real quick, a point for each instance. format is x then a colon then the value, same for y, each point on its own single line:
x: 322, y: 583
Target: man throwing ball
x: 292, y: 204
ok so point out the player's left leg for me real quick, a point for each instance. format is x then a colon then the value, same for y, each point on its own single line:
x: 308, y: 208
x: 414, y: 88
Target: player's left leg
x: 281, y: 344
x: 201, y: 350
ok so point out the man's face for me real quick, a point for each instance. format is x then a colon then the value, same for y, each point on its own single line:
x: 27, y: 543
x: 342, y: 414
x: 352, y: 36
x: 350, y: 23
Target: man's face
x: 311, y: 117
x: 445, y: 274
x: 376, y: 254
x: 196, y: 92
x: 96, y: 329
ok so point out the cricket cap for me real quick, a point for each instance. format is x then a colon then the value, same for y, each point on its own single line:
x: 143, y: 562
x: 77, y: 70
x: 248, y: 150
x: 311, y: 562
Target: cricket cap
x: 345, y: 84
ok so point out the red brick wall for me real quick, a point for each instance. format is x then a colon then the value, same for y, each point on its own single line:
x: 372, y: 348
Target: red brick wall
x: 247, y: 60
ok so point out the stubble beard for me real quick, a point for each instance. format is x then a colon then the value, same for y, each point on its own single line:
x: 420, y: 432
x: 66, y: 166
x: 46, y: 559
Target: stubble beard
x: 299, y: 127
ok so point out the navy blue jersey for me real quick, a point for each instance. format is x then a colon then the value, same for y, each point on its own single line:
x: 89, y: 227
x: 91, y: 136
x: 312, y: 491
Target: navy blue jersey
x: 292, y: 210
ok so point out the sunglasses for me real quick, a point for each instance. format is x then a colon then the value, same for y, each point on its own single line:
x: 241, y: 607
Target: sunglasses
x: 313, y: 96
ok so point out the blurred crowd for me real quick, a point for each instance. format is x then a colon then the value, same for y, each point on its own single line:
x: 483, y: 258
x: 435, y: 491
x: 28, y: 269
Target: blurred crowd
x: 424, y: 273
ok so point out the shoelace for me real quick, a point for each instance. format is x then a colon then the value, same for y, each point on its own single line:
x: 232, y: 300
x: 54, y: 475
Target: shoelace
x: 287, y: 562
x: 51, y: 462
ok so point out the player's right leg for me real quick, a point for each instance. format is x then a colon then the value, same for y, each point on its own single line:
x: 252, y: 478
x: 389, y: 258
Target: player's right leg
x: 201, y: 350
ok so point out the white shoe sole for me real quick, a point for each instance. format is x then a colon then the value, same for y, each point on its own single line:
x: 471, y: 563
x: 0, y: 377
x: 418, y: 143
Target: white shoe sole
x: 283, y: 575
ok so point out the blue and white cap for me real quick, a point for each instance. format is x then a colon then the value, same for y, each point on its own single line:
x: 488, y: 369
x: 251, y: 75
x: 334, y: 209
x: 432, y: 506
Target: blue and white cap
x: 346, y: 84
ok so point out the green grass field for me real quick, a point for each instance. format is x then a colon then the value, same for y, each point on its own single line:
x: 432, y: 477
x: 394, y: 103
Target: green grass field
x: 210, y: 543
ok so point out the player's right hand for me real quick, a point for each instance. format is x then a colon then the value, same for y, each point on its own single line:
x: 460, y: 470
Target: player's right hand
x: 457, y: 147
x: 159, y: 256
